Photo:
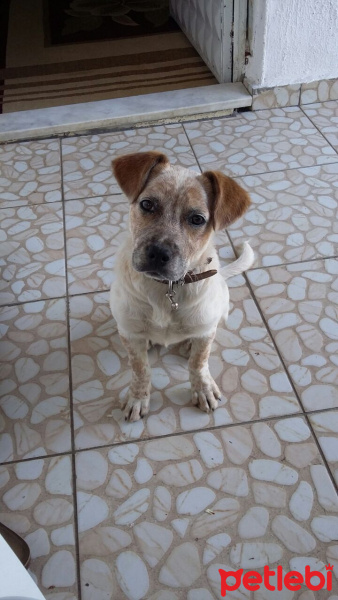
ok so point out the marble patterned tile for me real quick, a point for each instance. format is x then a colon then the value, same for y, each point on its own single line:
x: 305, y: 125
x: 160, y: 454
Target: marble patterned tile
x: 325, y: 426
x: 32, y: 257
x: 243, y: 362
x: 87, y: 160
x: 94, y: 230
x: 300, y: 305
x: 293, y: 217
x: 259, y: 142
x: 158, y: 519
x: 34, y: 395
x: 325, y: 117
x: 36, y: 501
x: 280, y: 96
x: 319, y: 91
x: 30, y: 173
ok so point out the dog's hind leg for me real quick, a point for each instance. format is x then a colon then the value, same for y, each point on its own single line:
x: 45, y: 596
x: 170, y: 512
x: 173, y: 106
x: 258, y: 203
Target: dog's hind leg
x: 205, y: 393
x: 137, y: 403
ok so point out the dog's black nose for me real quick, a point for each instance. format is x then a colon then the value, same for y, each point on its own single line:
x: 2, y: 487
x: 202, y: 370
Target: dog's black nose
x: 158, y: 255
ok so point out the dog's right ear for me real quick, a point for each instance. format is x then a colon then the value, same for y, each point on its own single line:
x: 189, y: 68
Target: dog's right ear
x: 133, y: 171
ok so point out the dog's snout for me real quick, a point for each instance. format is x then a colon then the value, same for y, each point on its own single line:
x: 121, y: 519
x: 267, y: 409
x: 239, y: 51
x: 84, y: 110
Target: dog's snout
x: 159, y: 259
x: 158, y: 255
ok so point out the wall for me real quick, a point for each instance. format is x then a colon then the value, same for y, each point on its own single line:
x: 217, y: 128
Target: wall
x: 293, y: 41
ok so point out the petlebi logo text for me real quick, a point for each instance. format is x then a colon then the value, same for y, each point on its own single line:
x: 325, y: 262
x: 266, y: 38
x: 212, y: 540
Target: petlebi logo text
x: 252, y: 580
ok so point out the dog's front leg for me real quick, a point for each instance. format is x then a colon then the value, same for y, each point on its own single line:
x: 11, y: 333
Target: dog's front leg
x: 205, y: 393
x: 137, y: 403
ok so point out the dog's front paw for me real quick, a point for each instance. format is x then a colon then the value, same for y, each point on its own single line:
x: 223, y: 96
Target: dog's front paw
x: 205, y: 393
x: 135, y: 409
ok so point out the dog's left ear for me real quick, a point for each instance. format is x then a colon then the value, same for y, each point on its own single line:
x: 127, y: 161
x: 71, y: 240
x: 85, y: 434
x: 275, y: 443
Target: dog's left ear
x: 227, y: 200
x: 134, y: 171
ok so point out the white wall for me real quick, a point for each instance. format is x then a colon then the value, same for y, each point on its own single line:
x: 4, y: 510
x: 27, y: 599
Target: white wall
x: 293, y: 41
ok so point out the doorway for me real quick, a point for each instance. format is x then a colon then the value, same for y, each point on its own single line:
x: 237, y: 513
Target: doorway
x: 78, y: 51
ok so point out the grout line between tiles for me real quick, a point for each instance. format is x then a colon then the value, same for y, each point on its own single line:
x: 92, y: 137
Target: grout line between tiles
x: 333, y: 162
x: 104, y: 291
x: 37, y: 457
x: 72, y: 433
x: 176, y: 434
x: 297, y: 262
x: 32, y: 301
x: 96, y: 196
x: 310, y: 426
x: 63, y: 199
x: 192, y: 149
x: 201, y: 169
x: 193, y: 431
x: 320, y: 132
x: 273, y: 341
x: 248, y: 283
x: 263, y: 172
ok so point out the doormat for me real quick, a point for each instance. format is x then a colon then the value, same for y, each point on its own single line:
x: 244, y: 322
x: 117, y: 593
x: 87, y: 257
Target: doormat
x: 71, y: 21
x: 73, y: 51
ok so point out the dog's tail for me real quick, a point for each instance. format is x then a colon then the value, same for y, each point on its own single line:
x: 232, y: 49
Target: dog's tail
x: 243, y: 262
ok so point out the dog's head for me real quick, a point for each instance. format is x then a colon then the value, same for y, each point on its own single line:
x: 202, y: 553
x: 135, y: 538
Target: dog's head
x: 174, y: 211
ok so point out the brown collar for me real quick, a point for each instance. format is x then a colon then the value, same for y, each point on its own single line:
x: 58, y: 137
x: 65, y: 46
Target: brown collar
x: 191, y: 277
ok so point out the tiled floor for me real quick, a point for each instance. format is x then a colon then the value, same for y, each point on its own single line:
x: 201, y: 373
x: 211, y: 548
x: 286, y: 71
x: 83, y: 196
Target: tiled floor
x: 152, y: 510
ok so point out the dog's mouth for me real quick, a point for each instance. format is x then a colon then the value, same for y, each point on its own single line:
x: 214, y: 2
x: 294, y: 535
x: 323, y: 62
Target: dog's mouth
x: 161, y: 277
x: 155, y: 275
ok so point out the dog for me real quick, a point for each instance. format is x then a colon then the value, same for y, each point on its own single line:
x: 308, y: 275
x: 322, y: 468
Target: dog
x: 168, y: 286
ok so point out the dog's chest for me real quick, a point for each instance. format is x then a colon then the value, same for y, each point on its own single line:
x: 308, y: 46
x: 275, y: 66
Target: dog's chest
x: 148, y: 314
x: 166, y: 330
x: 172, y: 333
x: 166, y: 326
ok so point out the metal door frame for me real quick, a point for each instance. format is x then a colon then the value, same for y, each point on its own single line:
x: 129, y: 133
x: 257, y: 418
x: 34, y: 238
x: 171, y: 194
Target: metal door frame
x: 240, y: 35
x: 233, y: 31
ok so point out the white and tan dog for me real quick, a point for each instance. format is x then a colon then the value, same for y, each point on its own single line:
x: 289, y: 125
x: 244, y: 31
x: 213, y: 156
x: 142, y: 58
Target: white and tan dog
x: 173, y: 214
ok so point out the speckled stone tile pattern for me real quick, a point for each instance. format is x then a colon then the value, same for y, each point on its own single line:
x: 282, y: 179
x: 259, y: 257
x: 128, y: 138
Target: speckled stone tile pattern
x: 285, y: 95
x: 300, y: 304
x: 32, y: 261
x: 293, y: 216
x: 30, y: 173
x: 158, y: 506
x: 95, y: 228
x: 319, y: 91
x: 34, y: 391
x: 259, y: 142
x: 325, y: 116
x: 87, y: 159
x: 176, y: 510
x: 36, y: 500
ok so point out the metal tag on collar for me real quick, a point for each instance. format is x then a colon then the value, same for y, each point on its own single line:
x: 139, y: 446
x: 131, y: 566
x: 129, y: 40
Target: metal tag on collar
x: 171, y: 295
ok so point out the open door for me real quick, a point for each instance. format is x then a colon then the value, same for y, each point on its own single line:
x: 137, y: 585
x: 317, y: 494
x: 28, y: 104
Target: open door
x: 217, y: 29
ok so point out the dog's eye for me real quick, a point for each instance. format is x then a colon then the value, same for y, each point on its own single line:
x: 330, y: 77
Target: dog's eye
x: 147, y: 205
x: 197, y: 220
